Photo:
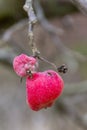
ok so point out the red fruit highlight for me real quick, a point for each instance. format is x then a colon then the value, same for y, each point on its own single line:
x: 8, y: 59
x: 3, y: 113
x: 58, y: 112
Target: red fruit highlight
x: 43, y: 89
x: 22, y: 63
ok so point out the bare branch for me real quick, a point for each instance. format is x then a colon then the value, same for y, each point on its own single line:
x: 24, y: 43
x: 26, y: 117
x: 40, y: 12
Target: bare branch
x: 67, y: 54
x: 29, y: 9
x: 32, y: 20
x: 81, y: 4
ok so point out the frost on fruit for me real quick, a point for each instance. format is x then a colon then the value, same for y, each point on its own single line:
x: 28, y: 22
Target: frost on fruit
x: 43, y: 89
x: 23, y: 63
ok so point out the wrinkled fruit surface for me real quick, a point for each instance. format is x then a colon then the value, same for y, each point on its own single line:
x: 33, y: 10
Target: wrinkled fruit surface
x: 43, y: 89
x: 22, y: 63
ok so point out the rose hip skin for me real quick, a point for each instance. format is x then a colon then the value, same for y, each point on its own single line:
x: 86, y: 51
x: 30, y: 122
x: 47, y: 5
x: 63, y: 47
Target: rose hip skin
x: 43, y: 89
x: 22, y: 63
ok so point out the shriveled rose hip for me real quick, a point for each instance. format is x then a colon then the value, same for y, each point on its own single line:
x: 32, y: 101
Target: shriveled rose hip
x: 43, y: 89
x: 23, y: 63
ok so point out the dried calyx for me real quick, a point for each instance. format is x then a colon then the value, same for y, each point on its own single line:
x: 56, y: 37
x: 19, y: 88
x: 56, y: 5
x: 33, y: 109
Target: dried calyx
x: 62, y: 69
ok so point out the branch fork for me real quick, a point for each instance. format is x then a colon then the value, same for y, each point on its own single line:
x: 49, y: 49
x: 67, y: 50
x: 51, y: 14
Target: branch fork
x: 28, y: 7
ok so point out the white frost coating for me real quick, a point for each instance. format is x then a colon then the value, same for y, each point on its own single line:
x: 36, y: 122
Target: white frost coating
x: 29, y: 9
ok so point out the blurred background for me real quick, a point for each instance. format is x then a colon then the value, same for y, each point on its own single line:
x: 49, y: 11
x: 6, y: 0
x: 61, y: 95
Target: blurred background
x: 61, y: 37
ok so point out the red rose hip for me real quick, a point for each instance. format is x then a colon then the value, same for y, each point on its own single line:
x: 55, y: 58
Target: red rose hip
x: 43, y: 89
x: 23, y: 63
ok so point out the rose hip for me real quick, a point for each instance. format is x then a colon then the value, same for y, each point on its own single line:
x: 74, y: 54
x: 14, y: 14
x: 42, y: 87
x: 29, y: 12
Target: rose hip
x: 24, y: 63
x: 43, y: 89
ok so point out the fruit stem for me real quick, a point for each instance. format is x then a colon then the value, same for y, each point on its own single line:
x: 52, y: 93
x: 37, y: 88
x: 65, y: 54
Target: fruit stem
x: 61, y: 69
x: 45, y: 60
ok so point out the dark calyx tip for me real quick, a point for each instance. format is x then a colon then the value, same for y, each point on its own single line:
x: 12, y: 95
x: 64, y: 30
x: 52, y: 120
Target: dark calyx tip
x: 29, y: 73
x: 62, y: 69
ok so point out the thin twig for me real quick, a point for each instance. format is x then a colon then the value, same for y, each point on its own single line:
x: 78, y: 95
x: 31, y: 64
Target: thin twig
x: 32, y: 21
x: 43, y: 59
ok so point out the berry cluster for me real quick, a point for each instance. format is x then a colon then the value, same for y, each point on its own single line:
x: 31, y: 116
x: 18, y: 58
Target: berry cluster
x: 42, y: 88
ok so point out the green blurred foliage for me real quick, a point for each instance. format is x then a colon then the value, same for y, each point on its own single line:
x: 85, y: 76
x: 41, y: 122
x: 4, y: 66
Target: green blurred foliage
x: 14, y: 8
x: 11, y: 8
x: 81, y: 47
x: 54, y: 8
